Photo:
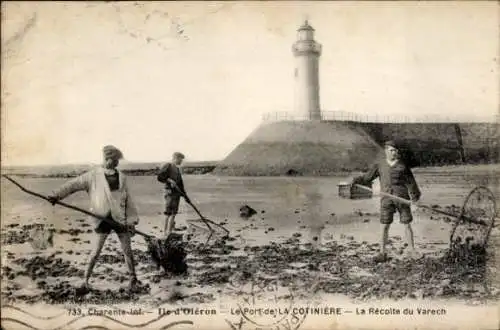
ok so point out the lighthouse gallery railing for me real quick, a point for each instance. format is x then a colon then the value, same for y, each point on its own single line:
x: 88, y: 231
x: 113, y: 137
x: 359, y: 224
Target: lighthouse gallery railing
x: 356, y: 117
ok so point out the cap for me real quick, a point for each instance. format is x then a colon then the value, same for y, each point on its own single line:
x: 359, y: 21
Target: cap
x: 178, y: 155
x: 391, y: 143
x: 112, y: 151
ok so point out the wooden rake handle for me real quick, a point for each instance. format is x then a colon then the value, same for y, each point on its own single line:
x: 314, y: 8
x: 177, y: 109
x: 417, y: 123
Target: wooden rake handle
x: 205, y: 220
x: 409, y: 202
x: 75, y: 208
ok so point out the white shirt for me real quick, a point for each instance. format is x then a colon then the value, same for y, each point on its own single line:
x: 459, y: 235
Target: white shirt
x: 392, y: 162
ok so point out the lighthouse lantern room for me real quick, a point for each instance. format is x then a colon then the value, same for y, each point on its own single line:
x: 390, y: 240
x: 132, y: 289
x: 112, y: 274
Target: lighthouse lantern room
x: 307, y: 52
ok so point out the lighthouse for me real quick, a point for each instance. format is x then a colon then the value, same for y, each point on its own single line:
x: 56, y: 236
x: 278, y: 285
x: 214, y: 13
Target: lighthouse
x: 307, y: 52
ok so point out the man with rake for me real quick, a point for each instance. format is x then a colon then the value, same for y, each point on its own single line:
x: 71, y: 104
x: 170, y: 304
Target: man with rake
x: 396, y: 179
x: 109, y: 198
x: 170, y: 175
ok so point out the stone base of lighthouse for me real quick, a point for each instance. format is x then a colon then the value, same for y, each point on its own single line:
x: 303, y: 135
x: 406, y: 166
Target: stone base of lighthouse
x: 303, y: 147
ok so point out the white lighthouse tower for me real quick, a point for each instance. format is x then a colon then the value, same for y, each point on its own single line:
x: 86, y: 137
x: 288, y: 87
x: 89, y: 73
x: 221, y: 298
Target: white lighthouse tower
x: 307, y: 52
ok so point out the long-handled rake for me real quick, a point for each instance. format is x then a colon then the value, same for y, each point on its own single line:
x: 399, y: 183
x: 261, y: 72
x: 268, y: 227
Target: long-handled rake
x: 478, y: 210
x: 165, y: 252
x: 214, y: 228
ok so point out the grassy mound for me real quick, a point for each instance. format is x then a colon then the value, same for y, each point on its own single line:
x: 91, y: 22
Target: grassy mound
x: 301, y: 148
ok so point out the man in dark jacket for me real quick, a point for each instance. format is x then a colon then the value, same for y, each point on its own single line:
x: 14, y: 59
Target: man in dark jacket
x: 170, y: 175
x: 396, y: 179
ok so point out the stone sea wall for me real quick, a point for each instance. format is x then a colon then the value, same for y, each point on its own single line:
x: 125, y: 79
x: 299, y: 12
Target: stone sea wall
x: 332, y: 147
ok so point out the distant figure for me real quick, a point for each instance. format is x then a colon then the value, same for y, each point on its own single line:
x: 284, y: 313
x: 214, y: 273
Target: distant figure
x: 109, y: 198
x: 396, y: 179
x: 170, y: 175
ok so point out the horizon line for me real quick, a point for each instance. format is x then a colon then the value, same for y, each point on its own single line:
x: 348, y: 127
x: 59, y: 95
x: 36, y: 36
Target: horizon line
x: 98, y: 163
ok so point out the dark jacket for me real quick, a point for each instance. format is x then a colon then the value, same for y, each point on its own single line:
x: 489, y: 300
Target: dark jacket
x: 396, y: 180
x: 170, y: 171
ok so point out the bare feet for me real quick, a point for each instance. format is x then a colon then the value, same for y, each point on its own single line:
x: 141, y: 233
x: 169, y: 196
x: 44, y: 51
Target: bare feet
x: 135, y: 286
x: 82, y: 289
x: 160, y: 272
x: 414, y: 255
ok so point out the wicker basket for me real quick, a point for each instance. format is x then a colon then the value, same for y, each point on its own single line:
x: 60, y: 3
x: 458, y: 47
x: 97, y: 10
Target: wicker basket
x: 348, y: 190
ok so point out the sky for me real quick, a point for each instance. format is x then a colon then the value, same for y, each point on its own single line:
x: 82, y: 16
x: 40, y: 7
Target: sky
x: 157, y: 77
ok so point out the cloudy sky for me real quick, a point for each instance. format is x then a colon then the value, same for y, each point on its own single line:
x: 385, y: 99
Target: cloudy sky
x: 153, y: 78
